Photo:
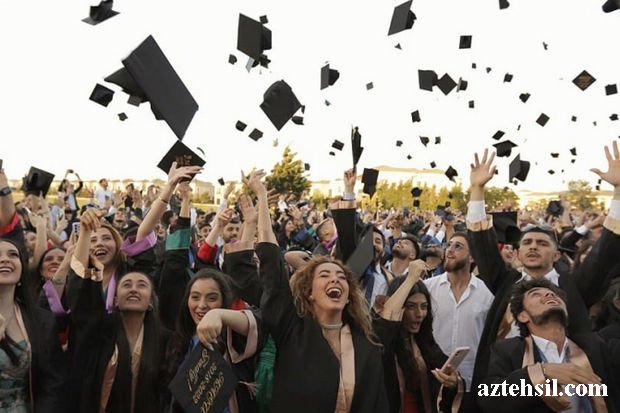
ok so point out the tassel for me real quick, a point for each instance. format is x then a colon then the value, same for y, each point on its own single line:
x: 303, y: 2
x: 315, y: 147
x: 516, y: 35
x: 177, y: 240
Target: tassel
x: 263, y: 376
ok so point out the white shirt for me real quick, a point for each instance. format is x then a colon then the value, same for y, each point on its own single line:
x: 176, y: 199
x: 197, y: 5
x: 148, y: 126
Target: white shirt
x: 459, y: 324
x: 100, y: 195
x: 550, y: 350
x: 553, y: 277
x: 403, y: 274
x: 379, y: 286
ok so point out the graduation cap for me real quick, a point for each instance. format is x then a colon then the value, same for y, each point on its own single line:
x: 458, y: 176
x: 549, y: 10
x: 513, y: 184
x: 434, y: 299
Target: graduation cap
x: 471, y: 104
x: 504, y: 148
x: 409, y: 157
x: 402, y: 18
x: 327, y: 102
x: 611, y: 89
x: 461, y: 85
x: 203, y: 369
x: 488, y: 70
x: 554, y: 154
x: 298, y: 120
x: 505, y: 225
x: 398, y: 46
x: 503, y: 4
x: 101, y: 95
x: 328, y: 76
x: 332, y: 153
x: 551, y: 172
x: 306, y: 167
x: 416, y: 192
x: 465, y: 42
x: 555, y: 208
x: 37, y: 182
x: 437, y: 140
x: 100, y: 13
x: 221, y: 181
x: 232, y: 59
x: 584, y: 80
x: 614, y: 117
x: 433, y: 164
x: 369, y: 86
x: 524, y: 97
x: 507, y: 77
x: 263, y: 19
x: 182, y: 155
x: 256, y: 134
x: 446, y: 84
x: 252, y: 37
x: 148, y: 74
x: 240, y: 126
x: 279, y: 103
x: 427, y: 79
x: 611, y: 5
x: 498, y: 135
x: 451, y: 173
x: 122, y: 116
x: 573, y: 118
x: 337, y: 144
x: 363, y: 254
x: 369, y: 179
x: 356, y: 145
x: 399, y: 143
x: 545, y: 45
x: 518, y: 169
x: 542, y: 119
x: 473, y: 66
x: 416, y: 203
x: 415, y: 116
x: 424, y: 140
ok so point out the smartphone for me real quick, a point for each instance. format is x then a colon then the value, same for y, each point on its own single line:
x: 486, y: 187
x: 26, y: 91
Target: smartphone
x: 457, y: 356
x: 75, y: 228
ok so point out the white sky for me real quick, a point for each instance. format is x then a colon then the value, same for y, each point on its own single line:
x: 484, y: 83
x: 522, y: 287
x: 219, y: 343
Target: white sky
x: 51, y: 62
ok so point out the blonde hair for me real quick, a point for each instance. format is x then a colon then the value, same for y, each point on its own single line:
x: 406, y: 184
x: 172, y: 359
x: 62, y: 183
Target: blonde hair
x: 355, y: 312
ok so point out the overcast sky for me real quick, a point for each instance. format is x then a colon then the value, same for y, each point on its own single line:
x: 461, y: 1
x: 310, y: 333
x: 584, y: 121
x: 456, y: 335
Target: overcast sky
x: 51, y: 61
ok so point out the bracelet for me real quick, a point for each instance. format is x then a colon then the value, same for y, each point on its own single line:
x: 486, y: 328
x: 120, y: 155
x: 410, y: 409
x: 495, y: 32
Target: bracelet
x: 163, y: 200
x: 58, y: 281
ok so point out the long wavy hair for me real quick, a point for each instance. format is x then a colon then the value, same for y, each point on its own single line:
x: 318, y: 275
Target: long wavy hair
x: 355, y: 313
x: 185, y: 327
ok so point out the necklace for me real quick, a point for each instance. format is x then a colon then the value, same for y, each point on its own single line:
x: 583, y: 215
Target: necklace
x: 336, y: 326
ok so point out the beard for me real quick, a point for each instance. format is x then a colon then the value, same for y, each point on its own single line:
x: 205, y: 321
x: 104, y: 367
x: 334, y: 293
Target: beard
x: 452, y: 265
x: 556, y: 314
x: 400, y: 254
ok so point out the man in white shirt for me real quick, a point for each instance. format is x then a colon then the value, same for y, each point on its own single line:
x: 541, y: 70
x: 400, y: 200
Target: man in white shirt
x: 102, y: 193
x: 460, y: 302
x: 544, y: 352
x: 404, y: 252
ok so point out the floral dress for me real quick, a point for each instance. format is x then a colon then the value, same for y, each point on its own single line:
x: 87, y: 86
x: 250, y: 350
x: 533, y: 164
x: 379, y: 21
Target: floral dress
x: 13, y: 380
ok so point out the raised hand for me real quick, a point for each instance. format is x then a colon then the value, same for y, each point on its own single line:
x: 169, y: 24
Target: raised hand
x: 350, y: 176
x: 90, y: 220
x: 250, y: 214
x: 482, y: 171
x: 209, y: 328
x: 184, y: 172
x: 612, y: 175
x: 253, y: 181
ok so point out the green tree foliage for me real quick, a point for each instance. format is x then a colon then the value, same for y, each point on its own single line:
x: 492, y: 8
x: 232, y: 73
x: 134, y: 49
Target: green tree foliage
x: 287, y: 176
x: 496, y: 197
x: 580, y: 195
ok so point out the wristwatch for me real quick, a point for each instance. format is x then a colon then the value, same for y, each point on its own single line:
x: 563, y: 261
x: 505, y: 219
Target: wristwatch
x: 57, y: 280
x: 5, y: 191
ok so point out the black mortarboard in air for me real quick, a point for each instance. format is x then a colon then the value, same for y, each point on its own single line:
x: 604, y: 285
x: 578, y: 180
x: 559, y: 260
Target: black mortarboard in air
x: 356, y: 145
x: 279, y: 103
x: 461, y: 85
x: 573, y: 118
x: 416, y: 192
x: 402, y: 18
x: 369, y: 86
x: 507, y: 77
x: 488, y: 70
x: 473, y: 66
x: 503, y: 4
x: 498, y: 135
x: 102, y: 95
x: 471, y: 104
x: 369, y: 179
x: 611, y: 5
x: 545, y: 45
x: 416, y: 203
x: 555, y: 208
x: 542, y: 119
x: 182, y: 155
x: 332, y: 153
x: 614, y: 116
x: 256, y: 134
x: 518, y: 169
x: 611, y: 89
x: 409, y: 157
x: 240, y: 126
x: 306, y: 166
x: 253, y: 38
x: 433, y: 164
x: 337, y: 144
x: 122, y: 116
x: 465, y: 42
x: 399, y: 143
x: 298, y: 120
x: 221, y: 181
x: 524, y: 97
x: 584, y: 80
x: 100, y: 13
x: 263, y: 19
x: 328, y: 76
x: 505, y: 225
x: 148, y: 74
x: 37, y: 182
x: 415, y: 116
x: 550, y: 171
x: 232, y: 59
x: 504, y: 148
x: 446, y: 84
x: 327, y: 102
x: 437, y: 140
x: 451, y: 173
x: 424, y: 140
x: 554, y: 154
x: 427, y: 79
x: 398, y: 46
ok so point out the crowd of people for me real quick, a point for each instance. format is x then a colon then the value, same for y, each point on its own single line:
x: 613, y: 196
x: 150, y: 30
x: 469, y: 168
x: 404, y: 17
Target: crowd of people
x: 336, y: 310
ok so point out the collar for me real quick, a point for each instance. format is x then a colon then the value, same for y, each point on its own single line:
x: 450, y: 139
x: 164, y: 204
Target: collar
x: 545, y: 346
x: 473, y: 280
x: 552, y: 276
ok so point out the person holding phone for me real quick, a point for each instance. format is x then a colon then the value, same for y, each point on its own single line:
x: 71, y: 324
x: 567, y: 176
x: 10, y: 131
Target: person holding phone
x: 418, y: 375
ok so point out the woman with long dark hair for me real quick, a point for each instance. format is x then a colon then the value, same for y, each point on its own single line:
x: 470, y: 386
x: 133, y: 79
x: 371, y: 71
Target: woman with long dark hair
x: 412, y: 359
x: 321, y: 327
x: 31, y: 363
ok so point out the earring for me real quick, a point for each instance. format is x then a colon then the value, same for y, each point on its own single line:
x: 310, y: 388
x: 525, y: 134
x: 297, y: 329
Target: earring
x: 19, y: 283
x: 311, y: 298
x: 150, y: 307
x: 348, y: 301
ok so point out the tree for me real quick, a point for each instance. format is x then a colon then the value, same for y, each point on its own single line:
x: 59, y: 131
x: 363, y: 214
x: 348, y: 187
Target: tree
x: 580, y: 195
x: 496, y: 197
x: 287, y: 176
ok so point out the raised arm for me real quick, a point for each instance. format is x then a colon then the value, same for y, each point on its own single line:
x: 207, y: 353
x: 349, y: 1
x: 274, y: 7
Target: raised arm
x: 7, y: 207
x: 393, y: 307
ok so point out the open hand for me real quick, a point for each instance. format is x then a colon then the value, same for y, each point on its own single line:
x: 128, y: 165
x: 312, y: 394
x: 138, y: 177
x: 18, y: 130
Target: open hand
x: 612, y: 175
x: 482, y: 171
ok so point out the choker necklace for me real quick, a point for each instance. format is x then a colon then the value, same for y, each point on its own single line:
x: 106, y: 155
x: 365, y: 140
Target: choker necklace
x: 337, y: 326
